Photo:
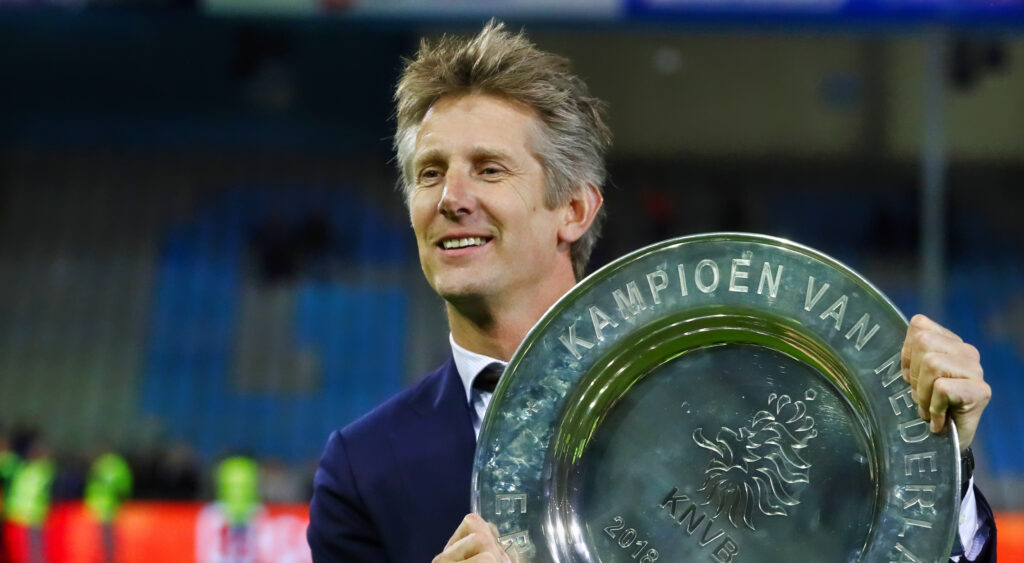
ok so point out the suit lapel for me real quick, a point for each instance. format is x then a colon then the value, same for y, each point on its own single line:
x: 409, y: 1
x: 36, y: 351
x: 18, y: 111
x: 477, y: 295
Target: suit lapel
x: 435, y: 446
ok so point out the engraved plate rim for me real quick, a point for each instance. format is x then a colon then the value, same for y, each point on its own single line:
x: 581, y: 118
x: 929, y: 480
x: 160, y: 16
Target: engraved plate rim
x: 534, y: 337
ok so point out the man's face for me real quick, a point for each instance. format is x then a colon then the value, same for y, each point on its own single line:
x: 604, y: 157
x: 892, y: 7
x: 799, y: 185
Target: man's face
x: 477, y: 208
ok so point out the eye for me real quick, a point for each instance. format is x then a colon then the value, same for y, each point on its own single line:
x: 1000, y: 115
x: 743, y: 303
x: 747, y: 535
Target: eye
x: 491, y: 170
x: 429, y: 175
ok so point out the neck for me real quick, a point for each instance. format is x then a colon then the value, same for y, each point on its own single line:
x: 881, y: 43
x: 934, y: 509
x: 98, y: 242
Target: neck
x: 496, y: 327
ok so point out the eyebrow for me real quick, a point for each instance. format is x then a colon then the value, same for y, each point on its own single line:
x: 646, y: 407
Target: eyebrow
x: 430, y: 157
x: 487, y: 153
x: 477, y: 153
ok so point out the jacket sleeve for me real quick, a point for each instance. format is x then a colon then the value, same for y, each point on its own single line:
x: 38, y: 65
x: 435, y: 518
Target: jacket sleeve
x: 986, y: 529
x: 340, y: 527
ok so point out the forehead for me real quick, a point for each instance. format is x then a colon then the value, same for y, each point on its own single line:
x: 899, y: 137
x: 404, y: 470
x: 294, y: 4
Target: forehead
x: 479, y: 121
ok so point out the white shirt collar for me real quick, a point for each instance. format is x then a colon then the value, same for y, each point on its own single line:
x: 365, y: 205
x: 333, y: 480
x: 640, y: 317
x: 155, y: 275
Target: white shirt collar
x: 470, y: 364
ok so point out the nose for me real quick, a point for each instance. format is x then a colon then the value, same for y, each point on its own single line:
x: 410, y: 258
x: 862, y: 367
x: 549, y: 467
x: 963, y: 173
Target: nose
x: 457, y: 198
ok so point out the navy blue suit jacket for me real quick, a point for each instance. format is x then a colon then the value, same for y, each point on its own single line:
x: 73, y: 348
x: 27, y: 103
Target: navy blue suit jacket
x: 393, y: 485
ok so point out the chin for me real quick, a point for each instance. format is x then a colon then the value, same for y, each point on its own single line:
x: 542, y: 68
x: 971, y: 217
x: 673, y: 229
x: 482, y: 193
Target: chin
x: 459, y: 294
x: 460, y: 290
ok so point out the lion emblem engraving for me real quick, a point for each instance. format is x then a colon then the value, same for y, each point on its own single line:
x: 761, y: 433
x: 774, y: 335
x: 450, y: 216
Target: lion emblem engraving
x: 759, y: 467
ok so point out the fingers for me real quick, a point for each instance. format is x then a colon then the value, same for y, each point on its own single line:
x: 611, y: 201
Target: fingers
x: 964, y: 400
x: 487, y: 558
x: 465, y: 528
x: 945, y: 377
x: 475, y: 547
x: 923, y: 354
x: 919, y: 342
x: 923, y: 323
x: 937, y: 365
x: 472, y: 523
x: 474, y: 540
x: 924, y: 334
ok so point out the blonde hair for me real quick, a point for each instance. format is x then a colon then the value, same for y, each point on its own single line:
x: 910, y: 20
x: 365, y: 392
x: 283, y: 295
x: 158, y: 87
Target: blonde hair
x: 573, y: 135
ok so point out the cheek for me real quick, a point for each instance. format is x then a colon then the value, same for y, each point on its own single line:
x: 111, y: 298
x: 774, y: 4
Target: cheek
x: 420, y: 213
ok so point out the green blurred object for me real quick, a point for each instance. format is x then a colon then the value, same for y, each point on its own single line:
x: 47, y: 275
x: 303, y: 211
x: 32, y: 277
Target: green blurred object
x: 237, y: 488
x: 109, y: 484
x: 29, y: 498
x: 9, y: 464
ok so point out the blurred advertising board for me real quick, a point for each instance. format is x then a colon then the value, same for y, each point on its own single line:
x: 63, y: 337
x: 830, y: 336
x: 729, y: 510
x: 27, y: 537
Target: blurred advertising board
x: 585, y: 9
x: 671, y: 5
x: 925, y: 10
x: 179, y: 532
x: 170, y: 532
x: 1010, y: 527
x: 623, y: 9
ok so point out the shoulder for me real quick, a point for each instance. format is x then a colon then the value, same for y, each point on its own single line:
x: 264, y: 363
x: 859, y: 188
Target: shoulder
x: 402, y: 409
x: 370, y: 466
x: 362, y: 450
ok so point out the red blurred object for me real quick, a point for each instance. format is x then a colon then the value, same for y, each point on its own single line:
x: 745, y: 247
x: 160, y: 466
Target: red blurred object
x: 1011, y: 536
x: 155, y: 532
x: 164, y: 532
x: 15, y: 542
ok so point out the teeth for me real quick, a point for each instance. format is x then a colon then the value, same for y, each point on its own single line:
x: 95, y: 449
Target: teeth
x: 462, y: 242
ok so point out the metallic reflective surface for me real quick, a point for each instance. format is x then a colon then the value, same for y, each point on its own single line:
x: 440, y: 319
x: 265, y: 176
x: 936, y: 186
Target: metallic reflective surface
x: 722, y: 397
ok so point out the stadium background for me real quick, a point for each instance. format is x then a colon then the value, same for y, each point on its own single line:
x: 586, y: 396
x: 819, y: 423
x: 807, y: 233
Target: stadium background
x: 202, y: 251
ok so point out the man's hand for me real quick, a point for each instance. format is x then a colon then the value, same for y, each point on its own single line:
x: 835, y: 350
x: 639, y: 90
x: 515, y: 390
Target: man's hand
x: 945, y: 377
x: 474, y: 540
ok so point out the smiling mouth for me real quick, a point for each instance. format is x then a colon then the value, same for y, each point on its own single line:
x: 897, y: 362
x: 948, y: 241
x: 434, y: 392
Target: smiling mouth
x: 465, y: 242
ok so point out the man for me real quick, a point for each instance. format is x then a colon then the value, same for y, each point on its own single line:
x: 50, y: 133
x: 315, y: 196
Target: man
x: 9, y: 464
x: 501, y: 154
x: 108, y: 485
x: 28, y: 503
x: 238, y: 506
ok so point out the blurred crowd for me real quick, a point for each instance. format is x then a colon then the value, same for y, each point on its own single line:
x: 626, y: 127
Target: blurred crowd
x: 33, y: 478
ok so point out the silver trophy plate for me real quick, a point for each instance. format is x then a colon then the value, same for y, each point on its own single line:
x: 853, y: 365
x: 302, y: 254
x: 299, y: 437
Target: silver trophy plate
x: 720, y: 397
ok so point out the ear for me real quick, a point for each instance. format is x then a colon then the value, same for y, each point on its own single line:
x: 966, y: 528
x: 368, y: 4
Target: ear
x: 579, y: 213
